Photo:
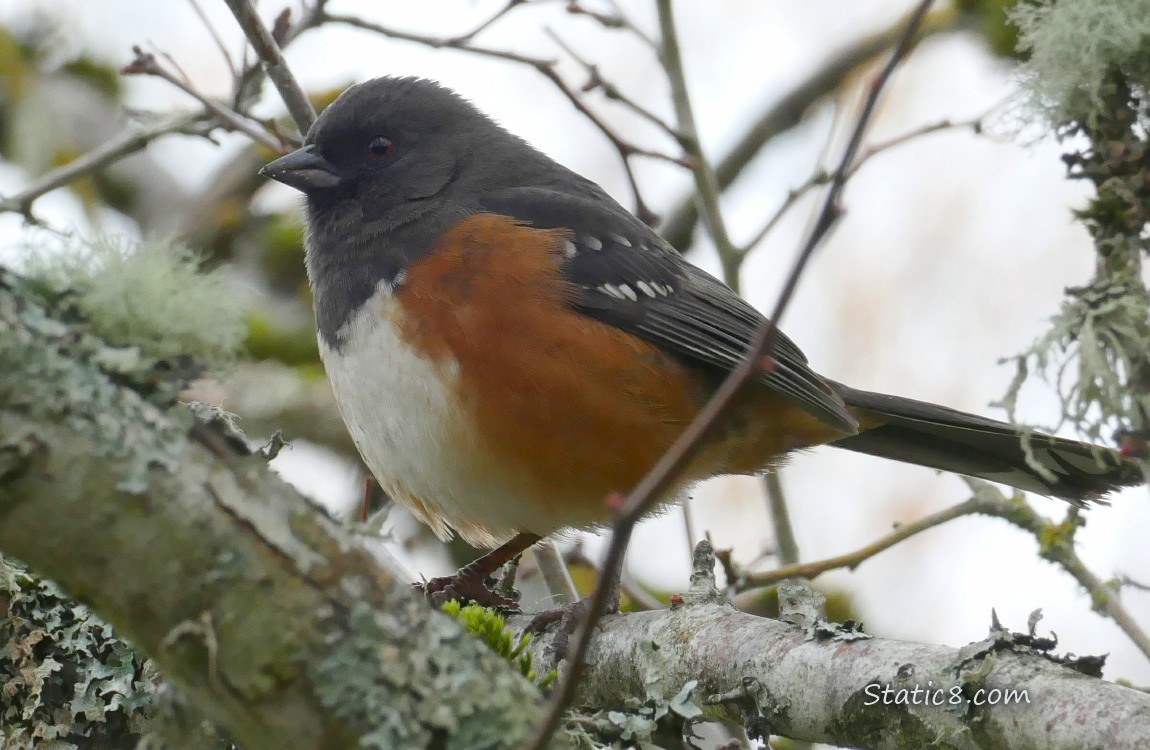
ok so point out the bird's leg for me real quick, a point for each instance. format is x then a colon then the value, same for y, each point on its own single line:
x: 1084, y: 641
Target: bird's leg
x: 570, y: 617
x: 469, y: 583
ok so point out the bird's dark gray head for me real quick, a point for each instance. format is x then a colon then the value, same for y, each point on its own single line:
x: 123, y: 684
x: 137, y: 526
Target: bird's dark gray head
x: 386, y: 169
x: 390, y: 150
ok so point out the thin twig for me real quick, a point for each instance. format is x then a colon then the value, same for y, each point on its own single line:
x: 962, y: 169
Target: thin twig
x: 786, y: 546
x: 215, y: 38
x: 822, y: 177
x: 595, y: 80
x: 788, y: 112
x: 688, y: 524
x: 852, y: 560
x: 124, y: 144
x: 296, y: 101
x: 145, y: 64
x: 619, y: 20
x: 136, y: 139
x: 1129, y: 582
x: 555, y: 576
x: 465, y: 38
x: 247, y: 85
x: 653, y: 486
x: 706, y: 184
x: 1055, y: 541
x: 1057, y: 544
x: 634, y: 590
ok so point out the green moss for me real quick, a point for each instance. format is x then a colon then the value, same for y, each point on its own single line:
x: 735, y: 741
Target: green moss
x: 489, y: 627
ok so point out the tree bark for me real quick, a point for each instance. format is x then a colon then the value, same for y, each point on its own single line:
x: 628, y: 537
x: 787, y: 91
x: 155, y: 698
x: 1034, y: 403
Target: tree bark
x: 811, y: 680
x: 270, y: 616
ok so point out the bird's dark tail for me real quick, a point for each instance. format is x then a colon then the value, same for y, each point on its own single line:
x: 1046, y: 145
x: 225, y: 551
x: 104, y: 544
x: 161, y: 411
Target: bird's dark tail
x: 940, y: 438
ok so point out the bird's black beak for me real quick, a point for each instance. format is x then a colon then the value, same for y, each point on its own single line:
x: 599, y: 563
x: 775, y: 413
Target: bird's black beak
x: 303, y: 169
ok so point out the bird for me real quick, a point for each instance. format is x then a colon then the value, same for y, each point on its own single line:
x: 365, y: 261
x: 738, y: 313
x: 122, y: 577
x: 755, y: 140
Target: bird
x: 509, y: 346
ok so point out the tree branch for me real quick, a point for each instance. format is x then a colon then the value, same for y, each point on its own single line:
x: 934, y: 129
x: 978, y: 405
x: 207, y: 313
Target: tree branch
x: 128, y: 142
x: 145, y: 64
x: 706, y: 183
x: 294, y: 98
x: 281, y: 625
x: 815, y: 681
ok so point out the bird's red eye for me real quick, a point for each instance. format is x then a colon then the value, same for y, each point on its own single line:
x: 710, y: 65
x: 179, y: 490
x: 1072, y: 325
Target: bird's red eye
x: 379, y: 147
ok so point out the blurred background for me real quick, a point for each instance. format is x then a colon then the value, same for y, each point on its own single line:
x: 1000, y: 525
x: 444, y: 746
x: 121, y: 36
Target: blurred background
x: 954, y: 251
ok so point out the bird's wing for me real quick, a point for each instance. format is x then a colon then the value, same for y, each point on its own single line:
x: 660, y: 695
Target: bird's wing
x: 629, y: 277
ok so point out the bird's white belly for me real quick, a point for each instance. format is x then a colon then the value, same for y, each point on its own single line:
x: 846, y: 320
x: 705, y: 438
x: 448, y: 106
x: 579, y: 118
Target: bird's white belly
x: 402, y: 410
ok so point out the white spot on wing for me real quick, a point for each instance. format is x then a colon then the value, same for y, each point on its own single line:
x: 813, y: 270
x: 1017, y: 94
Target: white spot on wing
x: 628, y: 292
x: 593, y: 243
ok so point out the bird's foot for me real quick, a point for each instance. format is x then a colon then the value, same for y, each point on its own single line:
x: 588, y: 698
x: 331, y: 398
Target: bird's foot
x: 466, y: 588
x: 570, y: 618
x: 469, y: 583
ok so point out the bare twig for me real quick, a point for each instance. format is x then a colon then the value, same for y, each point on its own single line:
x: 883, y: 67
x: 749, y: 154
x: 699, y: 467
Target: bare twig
x: 554, y: 570
x: 125, y: 144
x: 634, y: 590
x: 136, y: 139
x: 145, y: 63
x: 822, y: 177
x: 706, y: 184
x: 1134, y: 584
x: 466, y: 38
x: 852, y: 560
x: 688, y: 524
x: 215, y: 38
x: 788, y: 111
x: 248, y: 83
x: 786, y: 546
x: 296, y: 101
x: 595, y: 80
x: 619, y: 20
x: 1056, y: 544
x: 651, y: 488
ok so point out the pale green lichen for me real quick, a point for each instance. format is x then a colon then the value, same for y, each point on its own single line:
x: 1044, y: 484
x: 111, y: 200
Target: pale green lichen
x: 52, y: 368
x: 380, y: 669
x: 66, y: 680
x: 1075, y: 46
x: 1088, y: 75
x: 152, y: 295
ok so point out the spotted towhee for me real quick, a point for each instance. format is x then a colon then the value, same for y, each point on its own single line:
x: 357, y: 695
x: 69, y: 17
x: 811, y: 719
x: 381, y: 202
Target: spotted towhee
x: 508, y: 345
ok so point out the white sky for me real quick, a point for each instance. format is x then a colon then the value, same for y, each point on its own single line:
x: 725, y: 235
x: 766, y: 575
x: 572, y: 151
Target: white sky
x: 953, y: 252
